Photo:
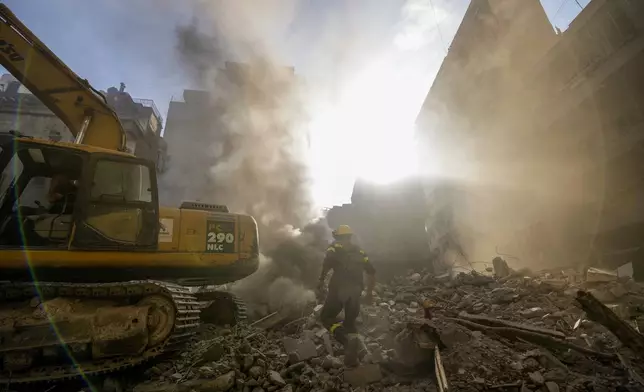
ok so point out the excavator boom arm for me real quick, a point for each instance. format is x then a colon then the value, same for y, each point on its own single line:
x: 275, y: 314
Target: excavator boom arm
x: 83, y: 109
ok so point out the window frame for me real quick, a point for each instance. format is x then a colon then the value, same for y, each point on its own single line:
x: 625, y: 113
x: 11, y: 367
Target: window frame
x: 83, y: 238
x: 90, y: 183
x: 18, y: 147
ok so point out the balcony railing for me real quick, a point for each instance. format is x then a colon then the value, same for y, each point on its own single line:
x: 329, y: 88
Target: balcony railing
x: 150, y: 104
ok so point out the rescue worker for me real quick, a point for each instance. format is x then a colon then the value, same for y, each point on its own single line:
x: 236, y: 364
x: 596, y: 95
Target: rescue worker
x: 348, y: 263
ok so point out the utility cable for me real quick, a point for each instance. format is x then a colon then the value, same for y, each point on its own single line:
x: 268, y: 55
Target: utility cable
x: 438, y: 27
x: 563, y: 2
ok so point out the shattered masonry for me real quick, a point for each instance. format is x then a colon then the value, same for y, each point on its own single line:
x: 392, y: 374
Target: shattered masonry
x: 516, y: 333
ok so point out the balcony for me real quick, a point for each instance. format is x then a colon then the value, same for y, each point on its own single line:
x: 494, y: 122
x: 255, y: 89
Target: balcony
x: 148, y: 103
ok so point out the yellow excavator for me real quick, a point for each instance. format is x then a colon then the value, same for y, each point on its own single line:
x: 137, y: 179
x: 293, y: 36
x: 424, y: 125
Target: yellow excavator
x: 94, y: 275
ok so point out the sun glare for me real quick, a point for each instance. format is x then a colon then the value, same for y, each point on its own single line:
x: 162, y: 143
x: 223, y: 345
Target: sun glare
x: 368, y: 133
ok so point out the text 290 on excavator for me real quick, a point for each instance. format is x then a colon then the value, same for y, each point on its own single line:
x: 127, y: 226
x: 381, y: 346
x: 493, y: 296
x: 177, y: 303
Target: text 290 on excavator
x: 85, y: 247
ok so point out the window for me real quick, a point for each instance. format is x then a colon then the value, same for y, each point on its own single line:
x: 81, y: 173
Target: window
x: 41, y: 185
x: 120, y: 209
x: 121, y: 181
x: 10, y: 175
x: 35, y: 191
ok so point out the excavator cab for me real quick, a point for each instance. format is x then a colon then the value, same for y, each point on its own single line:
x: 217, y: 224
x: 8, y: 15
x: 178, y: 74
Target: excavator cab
x: 54, y: 196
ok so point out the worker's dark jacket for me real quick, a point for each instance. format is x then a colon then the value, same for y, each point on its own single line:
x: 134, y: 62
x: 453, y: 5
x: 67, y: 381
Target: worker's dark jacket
x: 348, y: 262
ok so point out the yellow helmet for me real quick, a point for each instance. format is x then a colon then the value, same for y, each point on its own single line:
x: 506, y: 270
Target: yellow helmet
x: 342, y: 230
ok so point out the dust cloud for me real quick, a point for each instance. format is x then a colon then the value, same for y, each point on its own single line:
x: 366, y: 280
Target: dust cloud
x: 258, y: 139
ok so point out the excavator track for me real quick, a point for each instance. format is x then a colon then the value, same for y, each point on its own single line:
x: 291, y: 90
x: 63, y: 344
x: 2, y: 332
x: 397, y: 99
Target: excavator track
x: 221, y: 307
x: 185, y: 323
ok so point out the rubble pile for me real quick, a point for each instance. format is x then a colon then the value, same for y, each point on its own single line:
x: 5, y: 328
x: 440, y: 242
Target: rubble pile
x: 522, y: 331
x: 515, y: 333
x: 247, y: 358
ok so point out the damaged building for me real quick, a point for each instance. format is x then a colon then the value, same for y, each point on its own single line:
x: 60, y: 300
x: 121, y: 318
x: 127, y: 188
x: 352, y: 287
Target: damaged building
x: 143, y: 125
x: 388, y: 222
x: 544, y: 123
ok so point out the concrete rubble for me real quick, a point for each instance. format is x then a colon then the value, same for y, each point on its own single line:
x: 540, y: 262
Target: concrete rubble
x: 507, y: 332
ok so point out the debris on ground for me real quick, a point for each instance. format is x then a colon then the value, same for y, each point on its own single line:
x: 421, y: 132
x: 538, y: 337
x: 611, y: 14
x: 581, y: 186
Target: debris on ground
x: 469, y: 332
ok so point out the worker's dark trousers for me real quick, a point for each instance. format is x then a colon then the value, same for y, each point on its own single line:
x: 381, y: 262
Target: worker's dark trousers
x: 336, y: 300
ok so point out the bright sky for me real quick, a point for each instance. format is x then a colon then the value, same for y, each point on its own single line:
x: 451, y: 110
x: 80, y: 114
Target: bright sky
x: 372, y: 62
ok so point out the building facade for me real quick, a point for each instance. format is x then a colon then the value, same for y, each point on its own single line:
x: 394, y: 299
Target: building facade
x: 591, y: 86
x: 21, y: 111
x: 462, y: 124
x: 187, y: 135
x: 549, y: 121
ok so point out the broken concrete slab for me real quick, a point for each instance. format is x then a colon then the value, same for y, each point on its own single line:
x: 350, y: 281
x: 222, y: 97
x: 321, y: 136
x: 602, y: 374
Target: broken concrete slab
x: 555, y: 284
x: 363, y: 375
x: 305, y: 349
x: 600, y: 275
x: 625, y: 270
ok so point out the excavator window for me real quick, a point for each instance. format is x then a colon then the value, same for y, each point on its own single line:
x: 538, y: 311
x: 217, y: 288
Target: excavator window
x: 9, y: 174
x: 122, y: 209
x: 37, y: 196
x: 121, y: 180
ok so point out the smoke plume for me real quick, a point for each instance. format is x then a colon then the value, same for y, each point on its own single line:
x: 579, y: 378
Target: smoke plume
x: 198, y: 51
x: 256, y: 140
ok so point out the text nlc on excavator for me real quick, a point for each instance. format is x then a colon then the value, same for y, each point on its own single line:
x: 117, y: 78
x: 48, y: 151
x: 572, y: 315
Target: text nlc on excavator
x: 93, y: 272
